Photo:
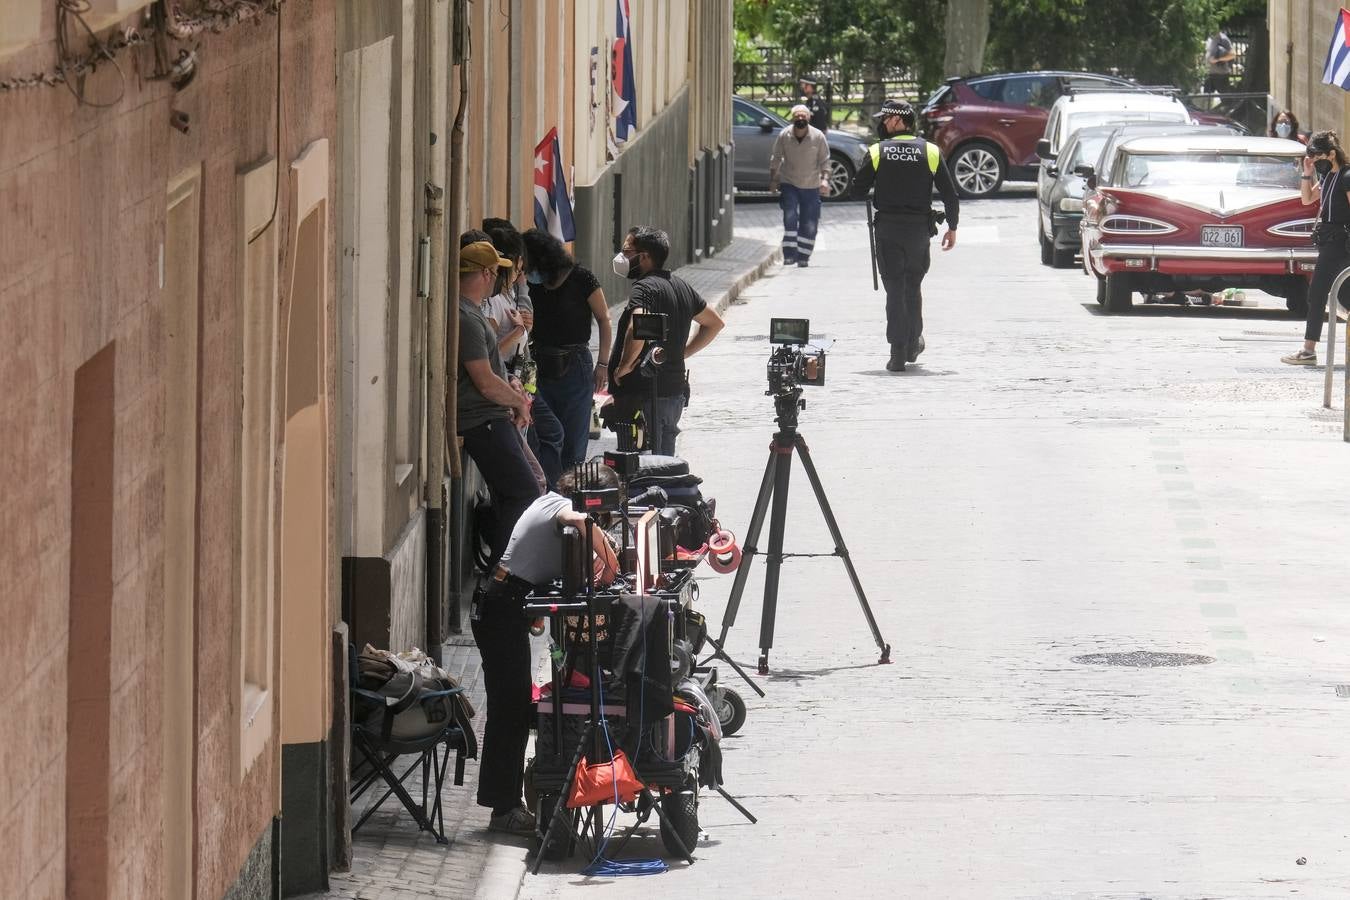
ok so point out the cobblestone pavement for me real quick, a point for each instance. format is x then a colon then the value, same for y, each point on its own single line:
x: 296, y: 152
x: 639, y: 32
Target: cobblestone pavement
x: 392, y: 860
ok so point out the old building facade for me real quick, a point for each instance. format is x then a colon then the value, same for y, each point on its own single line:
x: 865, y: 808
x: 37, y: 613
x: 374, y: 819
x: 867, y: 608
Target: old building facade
x: 227, y: 235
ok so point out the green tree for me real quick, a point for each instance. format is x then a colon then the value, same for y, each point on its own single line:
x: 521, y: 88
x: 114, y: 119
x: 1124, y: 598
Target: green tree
x: 864, y: 37
x: 1154, y: 41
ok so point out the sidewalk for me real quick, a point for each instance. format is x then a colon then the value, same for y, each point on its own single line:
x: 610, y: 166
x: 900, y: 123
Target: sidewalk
x: 391, y: 859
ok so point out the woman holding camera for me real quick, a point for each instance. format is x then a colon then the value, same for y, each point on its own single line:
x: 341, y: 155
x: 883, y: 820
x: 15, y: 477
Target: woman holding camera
x: 567, y: 298
x: 1324, y: 181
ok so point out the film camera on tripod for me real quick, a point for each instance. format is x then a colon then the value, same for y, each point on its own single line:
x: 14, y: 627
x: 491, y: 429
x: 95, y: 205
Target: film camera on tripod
x: 790, y: 365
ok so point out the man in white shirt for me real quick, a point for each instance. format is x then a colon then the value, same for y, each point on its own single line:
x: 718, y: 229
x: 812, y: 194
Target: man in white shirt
x: 799, y: 168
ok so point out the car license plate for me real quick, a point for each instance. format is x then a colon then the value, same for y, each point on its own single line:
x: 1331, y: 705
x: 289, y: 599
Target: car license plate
x: 1221, y: 236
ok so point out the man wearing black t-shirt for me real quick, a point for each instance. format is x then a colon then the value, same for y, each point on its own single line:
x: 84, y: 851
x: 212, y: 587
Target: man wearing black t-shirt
x: 656, y: 290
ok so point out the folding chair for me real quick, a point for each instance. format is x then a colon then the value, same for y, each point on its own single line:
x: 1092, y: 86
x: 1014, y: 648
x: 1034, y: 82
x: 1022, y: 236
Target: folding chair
x: 372, y: 738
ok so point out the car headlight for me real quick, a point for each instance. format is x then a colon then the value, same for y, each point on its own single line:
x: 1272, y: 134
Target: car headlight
x: 1070, y: 204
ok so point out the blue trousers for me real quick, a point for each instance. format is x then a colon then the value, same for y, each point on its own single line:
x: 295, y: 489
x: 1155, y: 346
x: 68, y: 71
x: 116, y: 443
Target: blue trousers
x: 801, y: 216
x: 570, y: 398
x: 546, y: 439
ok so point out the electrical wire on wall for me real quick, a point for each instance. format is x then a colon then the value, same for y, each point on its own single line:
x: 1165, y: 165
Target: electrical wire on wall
x: 276, y: 188
x: 215, y: 16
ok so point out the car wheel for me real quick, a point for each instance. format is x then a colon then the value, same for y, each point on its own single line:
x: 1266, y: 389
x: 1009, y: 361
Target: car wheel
x: 1119, y: 293
x: 978, y: 170
x: 1296, y: 299
x: 1047, y: 248
x: 1101, y: 290
x: 1063, y: 258
x: 841, y: 177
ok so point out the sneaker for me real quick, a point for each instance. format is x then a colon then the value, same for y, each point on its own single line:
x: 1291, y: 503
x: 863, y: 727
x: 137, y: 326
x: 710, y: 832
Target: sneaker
x: 802, y: 263
x: 789, y: 260
x: 1301, y: 358
x: 915, y: 349
x: 895, y: 364
x: 518, y: 821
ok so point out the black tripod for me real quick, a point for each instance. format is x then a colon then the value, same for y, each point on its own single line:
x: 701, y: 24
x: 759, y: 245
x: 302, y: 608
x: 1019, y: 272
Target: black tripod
x: 775, y: 485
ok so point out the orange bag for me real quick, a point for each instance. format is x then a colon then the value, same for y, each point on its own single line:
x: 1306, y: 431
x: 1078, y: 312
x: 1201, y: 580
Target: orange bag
x: 596, y: 783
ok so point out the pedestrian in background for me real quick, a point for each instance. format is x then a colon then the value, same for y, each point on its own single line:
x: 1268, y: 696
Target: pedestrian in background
x: 1324, y: 182
x: 1285, y: 125
x: 904, y: 169
x: 567, y: 298
x: 799, y: 167
x: 820, y: 110
x: 656, y: 290
x: 1219, y: 56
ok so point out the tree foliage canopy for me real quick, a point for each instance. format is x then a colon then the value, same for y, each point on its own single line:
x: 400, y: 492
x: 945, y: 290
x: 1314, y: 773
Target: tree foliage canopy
x: 1155, y: 41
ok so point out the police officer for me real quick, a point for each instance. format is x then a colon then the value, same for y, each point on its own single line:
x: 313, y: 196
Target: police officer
x: 819, y: 109
x: 904, y: 169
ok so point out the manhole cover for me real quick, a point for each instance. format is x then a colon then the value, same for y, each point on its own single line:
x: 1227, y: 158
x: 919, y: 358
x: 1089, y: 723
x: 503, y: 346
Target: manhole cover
x: 1143, y: 659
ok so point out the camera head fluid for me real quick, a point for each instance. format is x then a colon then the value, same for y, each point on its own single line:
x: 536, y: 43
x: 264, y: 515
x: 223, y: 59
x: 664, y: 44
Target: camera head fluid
x: 791, y: 366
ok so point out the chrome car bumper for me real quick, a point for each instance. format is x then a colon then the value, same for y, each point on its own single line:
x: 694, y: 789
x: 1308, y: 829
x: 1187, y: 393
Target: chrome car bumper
x: 1244, y: 254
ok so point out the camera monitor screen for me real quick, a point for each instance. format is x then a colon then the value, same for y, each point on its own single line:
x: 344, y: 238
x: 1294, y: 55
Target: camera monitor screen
x: 789, y: 331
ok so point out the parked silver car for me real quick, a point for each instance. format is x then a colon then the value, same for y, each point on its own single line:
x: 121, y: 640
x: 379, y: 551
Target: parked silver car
x: 754, y: 128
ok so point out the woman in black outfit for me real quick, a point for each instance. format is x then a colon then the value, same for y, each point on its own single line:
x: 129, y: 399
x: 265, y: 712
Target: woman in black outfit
x: 566, y: 297
x: 1326, y: 182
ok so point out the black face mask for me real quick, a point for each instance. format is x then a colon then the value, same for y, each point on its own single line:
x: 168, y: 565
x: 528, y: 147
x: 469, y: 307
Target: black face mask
x: 1321, y: 167
x: 800, y: 124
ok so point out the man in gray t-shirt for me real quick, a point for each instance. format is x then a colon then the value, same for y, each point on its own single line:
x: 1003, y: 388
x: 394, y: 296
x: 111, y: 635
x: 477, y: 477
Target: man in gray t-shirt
x: 501, y: 631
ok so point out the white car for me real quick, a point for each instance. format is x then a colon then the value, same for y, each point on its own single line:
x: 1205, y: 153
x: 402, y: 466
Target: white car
x: 1074, y: 111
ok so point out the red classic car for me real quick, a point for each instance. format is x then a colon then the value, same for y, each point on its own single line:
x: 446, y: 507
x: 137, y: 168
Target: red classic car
x: 1198, y: 212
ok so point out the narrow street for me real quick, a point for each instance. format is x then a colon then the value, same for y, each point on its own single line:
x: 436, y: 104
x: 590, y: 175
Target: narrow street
x: 1049, y: 482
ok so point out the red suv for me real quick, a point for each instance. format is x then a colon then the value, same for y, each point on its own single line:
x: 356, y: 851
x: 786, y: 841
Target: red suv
x: 987, y: 125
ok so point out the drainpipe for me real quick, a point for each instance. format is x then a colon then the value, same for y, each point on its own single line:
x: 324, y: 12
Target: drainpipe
x: 454, y: 227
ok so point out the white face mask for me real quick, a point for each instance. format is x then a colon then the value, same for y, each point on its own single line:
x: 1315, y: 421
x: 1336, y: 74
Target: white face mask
x: 621, y: 265
x: 1283, y: 129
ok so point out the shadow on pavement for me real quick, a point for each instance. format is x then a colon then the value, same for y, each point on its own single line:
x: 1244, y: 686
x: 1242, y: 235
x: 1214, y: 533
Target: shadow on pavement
x: 1172, y: 310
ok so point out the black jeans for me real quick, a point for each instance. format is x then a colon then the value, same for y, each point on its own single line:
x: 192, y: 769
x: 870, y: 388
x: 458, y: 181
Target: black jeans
x: 498, y: 451
x: 1331, y: 259
x: 902, y: 261
x: 501, y: 632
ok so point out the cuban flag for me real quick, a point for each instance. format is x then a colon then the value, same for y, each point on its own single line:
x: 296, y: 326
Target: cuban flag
x: 1337, y: 69
x: 552, y: 205
x: 621, y: 76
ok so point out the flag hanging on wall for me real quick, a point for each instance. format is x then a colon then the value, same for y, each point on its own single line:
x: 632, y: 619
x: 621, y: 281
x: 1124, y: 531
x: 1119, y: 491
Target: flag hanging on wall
x: 552, y: 205
x: 1337, y: 69
x: 621, y: 76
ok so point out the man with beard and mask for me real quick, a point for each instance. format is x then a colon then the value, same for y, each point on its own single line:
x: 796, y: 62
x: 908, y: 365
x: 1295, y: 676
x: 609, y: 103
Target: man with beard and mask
x: 656, y: 290
x: 904, y: 169
x: 799, y: 166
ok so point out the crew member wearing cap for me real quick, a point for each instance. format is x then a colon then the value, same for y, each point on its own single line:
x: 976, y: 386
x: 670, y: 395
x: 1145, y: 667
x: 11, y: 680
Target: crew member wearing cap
x: 489, y: 408
x: 904, y: 169
x: 820, y: 110
x: 800, y: 166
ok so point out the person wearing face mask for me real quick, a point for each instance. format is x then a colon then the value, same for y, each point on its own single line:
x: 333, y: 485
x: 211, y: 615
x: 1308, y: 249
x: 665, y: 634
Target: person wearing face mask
x: 799, y: 168
x: 567, y: 298
x: 904, y: 169
x: 1285, y: 125
x: 1324, y: 181
x: 656, y: 290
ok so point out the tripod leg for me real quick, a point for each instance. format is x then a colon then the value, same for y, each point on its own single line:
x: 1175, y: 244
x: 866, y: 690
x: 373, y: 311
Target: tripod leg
x: 839, y: 548
x: 734, y: 802
x: 719, y: 653
x: 748, y: 550
x: 782, y: 474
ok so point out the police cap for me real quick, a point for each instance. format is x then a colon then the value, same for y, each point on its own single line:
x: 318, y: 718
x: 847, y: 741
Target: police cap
x: 893, y: 107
